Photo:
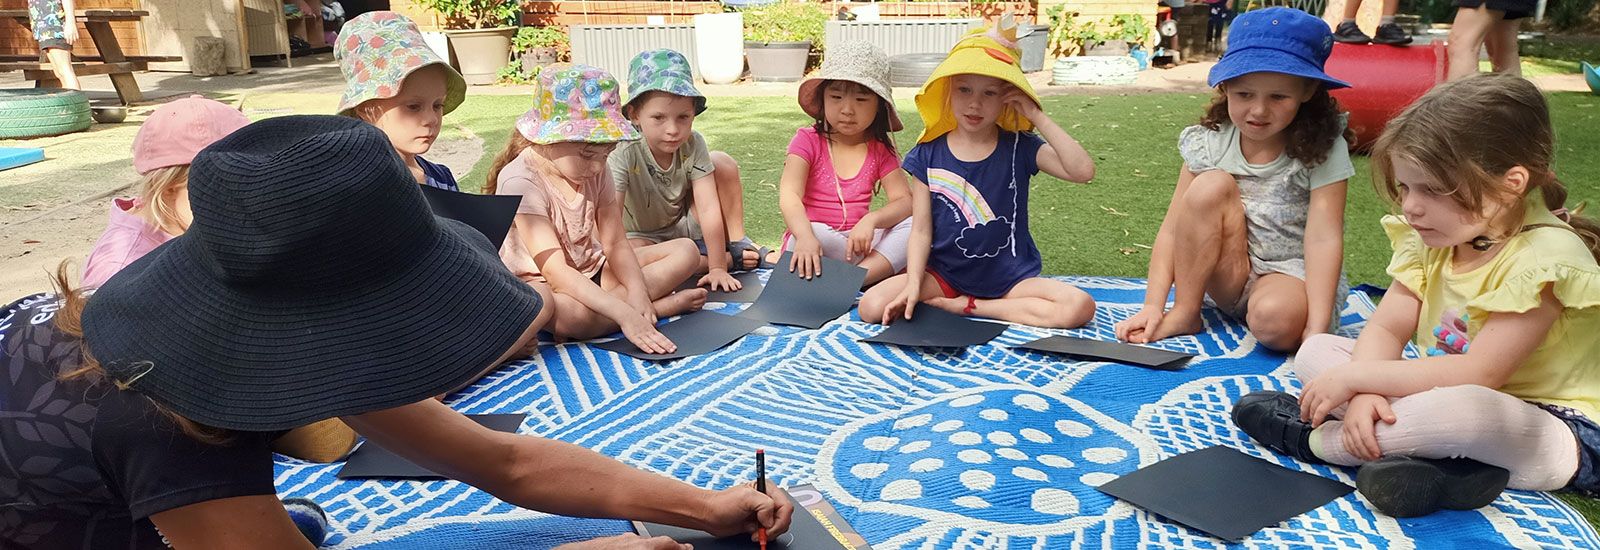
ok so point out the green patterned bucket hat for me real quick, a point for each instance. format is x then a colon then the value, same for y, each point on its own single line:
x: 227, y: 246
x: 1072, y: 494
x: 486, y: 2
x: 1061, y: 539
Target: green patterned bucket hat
x: 663, y: 70
x: 576, y: 103
x: 377, y: 51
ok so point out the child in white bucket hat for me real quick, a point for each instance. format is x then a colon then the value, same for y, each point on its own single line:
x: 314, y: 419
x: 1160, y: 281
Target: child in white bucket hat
x: 836, y: 165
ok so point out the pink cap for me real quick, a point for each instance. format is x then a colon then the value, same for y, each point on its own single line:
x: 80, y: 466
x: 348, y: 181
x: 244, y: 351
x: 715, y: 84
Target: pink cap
x: 177, y: 131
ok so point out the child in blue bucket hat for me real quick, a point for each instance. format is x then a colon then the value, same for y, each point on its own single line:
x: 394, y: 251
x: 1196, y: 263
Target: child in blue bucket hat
x: 1259, y: 205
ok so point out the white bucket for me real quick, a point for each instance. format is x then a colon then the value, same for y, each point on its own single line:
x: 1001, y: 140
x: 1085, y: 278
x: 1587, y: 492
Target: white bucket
x: 719, y: 39
x: 439, y: 43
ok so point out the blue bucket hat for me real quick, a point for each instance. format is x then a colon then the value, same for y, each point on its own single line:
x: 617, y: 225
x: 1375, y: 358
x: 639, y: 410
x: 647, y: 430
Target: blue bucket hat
x: 1277, y: 40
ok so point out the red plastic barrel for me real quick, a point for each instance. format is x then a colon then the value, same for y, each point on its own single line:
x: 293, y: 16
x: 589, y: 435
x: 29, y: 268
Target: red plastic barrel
x: 1383, y: 81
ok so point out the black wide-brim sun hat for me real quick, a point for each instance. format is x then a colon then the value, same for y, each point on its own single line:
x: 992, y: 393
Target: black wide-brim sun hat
x: 314, y: 282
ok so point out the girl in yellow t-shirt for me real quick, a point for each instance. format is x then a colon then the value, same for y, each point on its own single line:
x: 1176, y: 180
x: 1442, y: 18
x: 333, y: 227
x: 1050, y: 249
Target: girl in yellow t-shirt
x: 1498, y: 281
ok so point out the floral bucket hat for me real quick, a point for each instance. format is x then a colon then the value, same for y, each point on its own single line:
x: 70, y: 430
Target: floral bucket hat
x: 377, y: 51
x: 575, y: 103
x: 663, y: 70
x: 858, y: 62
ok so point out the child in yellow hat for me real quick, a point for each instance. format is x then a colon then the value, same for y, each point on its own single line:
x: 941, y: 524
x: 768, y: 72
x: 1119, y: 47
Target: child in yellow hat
x: 970, y: 251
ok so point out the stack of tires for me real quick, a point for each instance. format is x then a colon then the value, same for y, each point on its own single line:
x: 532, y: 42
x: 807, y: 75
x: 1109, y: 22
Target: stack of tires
x: 38, y: 112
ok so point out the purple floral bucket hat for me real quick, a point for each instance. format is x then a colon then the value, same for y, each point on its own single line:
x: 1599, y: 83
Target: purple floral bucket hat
x: 663, y: 70
x: 576, y: 103
x: 377, y: 51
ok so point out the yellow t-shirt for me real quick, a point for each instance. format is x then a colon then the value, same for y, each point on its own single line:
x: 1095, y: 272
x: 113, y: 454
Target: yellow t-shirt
x: 1565, y: 369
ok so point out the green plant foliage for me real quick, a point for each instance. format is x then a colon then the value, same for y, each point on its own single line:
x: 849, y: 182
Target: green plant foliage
x: 789, y: 21
x: 529, y: 38
x: 475, y: 14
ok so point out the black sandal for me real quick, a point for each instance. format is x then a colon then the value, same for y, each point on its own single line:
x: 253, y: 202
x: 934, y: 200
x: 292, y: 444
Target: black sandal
x: 736, y: 250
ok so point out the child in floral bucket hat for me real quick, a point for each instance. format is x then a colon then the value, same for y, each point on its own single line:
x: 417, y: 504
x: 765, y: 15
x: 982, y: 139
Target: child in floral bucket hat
x: 568, y: 230
x: 1256, y: 222
x: 986, y: 136
x: 671, y: 184
x: 396, y: 82
x: 827, y: 214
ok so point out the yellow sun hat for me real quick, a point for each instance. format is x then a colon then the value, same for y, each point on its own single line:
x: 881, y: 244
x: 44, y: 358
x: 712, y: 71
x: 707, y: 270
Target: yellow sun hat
x: 988, y: 51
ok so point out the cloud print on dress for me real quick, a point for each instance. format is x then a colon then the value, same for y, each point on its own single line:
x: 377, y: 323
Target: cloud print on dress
x: 985, y: 240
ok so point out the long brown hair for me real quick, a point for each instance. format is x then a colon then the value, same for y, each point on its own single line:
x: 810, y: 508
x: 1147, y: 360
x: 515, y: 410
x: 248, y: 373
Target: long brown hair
x: 1309, y: 135
x: 1467, y: 134
x: 69, y: 321
x: 514, y: 146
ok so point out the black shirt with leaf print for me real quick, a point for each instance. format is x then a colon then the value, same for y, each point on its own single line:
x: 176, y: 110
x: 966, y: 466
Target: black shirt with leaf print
x: 84, y: 465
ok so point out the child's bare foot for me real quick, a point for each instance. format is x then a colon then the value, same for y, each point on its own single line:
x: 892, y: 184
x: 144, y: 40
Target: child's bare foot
x: 1178, y: 322
x: 681, y: 302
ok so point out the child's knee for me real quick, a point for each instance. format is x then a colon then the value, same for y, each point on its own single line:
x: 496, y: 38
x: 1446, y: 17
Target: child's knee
x: 1210, y: 190
x: 1319, y: 353
x: 683, y: 249
x: 1276, y: 323
x: 1072, y: 307
x: 723, y: 165
x: 872, y: 304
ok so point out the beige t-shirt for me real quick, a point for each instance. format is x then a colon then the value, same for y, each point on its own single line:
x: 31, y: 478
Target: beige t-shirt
x: 575, y: 219
x: 655, y: 196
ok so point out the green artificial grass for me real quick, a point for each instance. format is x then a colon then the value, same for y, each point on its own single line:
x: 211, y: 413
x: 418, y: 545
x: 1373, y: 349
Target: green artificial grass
x: 1102, y: 228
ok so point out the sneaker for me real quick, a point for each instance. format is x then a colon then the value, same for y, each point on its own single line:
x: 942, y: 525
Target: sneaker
x: 1272, y: 418
x: 1390, y: 34
x: 1349, y: 33
x: 1406, y: 487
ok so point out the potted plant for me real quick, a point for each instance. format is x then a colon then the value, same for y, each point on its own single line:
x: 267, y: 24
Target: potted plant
x: 1079, y: 45
x: 480, y: 32
x: 779, y: 39
x: 1132, y: 30
x: 536, y: 47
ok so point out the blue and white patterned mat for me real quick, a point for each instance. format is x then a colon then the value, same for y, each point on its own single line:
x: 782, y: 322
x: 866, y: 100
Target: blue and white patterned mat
x: 990, y: 448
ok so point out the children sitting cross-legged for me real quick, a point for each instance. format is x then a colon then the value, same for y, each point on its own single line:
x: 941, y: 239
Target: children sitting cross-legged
x: 975, y: 159
x: 396, y: 82
x: 1511, y: 392
x: 671, y: 184
x: 568, y: 230
x: 839, y: 162
x: 1257, y: 220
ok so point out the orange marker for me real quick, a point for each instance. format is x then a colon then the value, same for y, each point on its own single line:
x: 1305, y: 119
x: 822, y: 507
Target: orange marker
x: 761, y: 487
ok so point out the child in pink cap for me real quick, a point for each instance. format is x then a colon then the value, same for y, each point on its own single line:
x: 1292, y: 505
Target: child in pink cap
x: 162, y: 150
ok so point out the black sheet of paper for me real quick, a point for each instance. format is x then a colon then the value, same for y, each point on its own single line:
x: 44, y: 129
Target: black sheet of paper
x: 1099, y: 350
x: 790, y: 300
x: 936, y: 328
x: 1224, y: 492
x: 697, y: 333
x: 805, y: 533
x: 370, y: 460
x: 489, y: 214
x: 746, y: 294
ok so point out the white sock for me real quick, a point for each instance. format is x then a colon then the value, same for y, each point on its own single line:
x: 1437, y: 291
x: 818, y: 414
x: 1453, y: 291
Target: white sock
x: 1386, y: 20
x: 1351, y: 20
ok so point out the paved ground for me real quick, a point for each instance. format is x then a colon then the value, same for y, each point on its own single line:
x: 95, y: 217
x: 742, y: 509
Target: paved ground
x: 54, y: 210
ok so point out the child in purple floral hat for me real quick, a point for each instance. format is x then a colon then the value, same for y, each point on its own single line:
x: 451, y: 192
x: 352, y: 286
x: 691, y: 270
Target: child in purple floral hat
x: 568, y: 230
x: 395, y: 82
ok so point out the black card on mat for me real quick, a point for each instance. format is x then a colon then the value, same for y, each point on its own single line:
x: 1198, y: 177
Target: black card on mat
x: 1099, y: 350
x: 1224, y: 492
x: 370, y: 460
x: 936, y: 328
x: 489, y: 214
x: 746, y: 294
x: 791, y: 300
x: 697, y: 333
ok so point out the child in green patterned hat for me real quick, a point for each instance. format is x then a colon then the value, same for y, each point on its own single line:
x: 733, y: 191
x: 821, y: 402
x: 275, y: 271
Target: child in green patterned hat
x: 672, y: 185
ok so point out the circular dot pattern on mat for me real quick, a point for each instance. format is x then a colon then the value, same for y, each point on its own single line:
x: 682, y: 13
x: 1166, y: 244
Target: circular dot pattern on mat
x: 1002, y: 439
x: 994, y: 415
x: 966, y: 438
x: 1007, y: 455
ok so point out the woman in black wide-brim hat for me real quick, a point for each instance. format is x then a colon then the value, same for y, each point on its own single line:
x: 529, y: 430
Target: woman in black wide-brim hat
x: 314, y: 283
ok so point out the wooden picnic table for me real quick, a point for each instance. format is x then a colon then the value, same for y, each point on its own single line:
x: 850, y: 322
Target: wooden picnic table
x: 113, y: 61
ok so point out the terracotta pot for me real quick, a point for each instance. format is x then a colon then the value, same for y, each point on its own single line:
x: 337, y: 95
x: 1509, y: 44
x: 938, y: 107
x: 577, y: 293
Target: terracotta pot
x: 481, y: 52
